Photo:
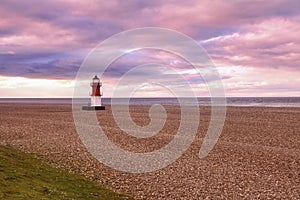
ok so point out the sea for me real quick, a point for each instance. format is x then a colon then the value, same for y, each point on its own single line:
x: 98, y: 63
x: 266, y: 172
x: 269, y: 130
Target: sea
x: 202, y: 101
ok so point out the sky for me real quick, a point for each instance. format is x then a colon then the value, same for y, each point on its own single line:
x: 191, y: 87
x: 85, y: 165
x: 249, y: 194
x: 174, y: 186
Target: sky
x: 254, y: 44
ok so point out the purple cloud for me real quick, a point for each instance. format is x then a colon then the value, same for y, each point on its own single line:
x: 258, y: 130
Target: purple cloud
x: 51, y: 40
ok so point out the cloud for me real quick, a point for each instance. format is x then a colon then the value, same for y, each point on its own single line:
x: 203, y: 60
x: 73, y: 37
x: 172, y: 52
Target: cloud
x: 39, y: 65
x: 50, y: 41
x: 11, y: 87
x: 272, y: 43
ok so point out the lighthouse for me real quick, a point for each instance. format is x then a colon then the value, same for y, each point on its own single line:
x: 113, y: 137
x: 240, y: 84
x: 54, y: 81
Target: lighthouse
x: 95, y: 101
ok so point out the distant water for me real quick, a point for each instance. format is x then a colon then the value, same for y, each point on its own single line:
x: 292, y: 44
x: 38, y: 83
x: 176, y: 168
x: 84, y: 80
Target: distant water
x: 203, y: 101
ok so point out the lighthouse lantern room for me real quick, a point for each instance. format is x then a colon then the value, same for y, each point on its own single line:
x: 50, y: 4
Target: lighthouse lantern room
x: 95, y: 102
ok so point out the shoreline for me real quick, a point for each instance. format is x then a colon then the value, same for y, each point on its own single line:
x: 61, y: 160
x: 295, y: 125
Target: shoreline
x: 146, y: 105
x: 173, y: 101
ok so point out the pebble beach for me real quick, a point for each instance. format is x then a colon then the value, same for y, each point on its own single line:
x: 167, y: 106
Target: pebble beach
x: 256, y: 157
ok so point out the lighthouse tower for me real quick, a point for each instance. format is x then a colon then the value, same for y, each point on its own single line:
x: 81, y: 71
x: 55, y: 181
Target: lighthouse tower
x: 95, y: 103
x: 96, y: 94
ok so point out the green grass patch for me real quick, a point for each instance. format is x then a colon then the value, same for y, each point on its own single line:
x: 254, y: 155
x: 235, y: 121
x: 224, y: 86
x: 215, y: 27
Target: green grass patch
x: 24, y: 177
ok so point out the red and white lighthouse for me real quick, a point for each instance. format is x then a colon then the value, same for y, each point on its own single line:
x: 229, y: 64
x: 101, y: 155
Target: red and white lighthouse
x: 96, y: 92
x: 95, y: 103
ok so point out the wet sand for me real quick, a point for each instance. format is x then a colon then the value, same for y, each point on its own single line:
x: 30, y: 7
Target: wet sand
x: 256, y: 157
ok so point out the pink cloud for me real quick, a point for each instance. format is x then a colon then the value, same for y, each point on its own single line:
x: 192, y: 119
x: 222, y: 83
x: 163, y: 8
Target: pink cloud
x: 51, y: 40
x: 272, y: 43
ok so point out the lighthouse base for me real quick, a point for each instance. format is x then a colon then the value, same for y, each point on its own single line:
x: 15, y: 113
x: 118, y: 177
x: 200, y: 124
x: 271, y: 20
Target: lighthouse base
x: 93, y: 107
